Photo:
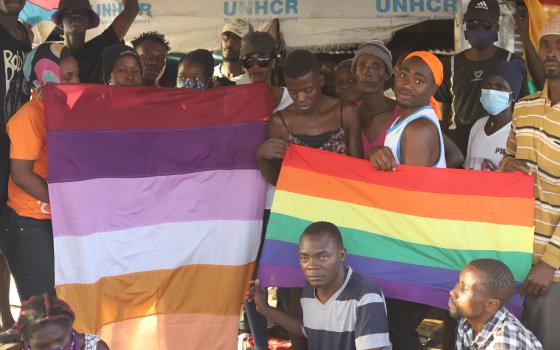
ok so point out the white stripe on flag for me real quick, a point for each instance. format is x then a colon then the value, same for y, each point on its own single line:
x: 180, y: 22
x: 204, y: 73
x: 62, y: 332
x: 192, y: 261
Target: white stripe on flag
x: 165, y: 246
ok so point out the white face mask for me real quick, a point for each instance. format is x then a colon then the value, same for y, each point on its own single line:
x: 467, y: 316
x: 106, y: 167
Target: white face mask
x: 495, y: 101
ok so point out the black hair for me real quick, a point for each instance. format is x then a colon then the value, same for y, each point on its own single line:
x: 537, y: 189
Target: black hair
x: 498, y: 278
x: 202, y: 57
x: 299, y: 63
x: 324, y: 227
x: 151, y: 36
x: 40, y: 310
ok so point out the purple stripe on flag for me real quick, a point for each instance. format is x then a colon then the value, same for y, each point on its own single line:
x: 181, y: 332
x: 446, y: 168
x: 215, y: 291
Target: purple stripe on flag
x: 383, y: 269
x: 289, y: 276
x: 83, y: 155
x: 121, y: 204
x: 434, y: 297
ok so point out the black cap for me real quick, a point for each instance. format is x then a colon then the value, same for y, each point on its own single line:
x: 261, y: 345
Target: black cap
x: 483, y: 10
x: 111, y: 55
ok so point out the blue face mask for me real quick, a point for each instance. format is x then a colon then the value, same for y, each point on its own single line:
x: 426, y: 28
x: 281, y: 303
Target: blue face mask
x: 192, y: 84
x: 495, y: 101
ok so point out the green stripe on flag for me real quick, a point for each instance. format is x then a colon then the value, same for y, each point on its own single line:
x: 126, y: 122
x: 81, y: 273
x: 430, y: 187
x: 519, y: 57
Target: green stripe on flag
x: 368, y: 244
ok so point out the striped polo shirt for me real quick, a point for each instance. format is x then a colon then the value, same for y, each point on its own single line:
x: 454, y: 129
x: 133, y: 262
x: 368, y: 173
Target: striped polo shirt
x: 355, y: 316
x: 535, y: 139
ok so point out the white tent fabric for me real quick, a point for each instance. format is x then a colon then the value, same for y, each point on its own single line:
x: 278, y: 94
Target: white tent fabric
x: 192, y: 24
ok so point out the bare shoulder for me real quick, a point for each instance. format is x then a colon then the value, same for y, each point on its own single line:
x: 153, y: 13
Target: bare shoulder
x: 421, y: 130
x: 276, y: 127
x: 350, y: 111
x: 421, y: 125
x: 275, y: 119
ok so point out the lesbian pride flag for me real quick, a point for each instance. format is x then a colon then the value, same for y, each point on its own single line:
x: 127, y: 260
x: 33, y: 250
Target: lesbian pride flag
x: 411, y: 230
x: 157, y: 206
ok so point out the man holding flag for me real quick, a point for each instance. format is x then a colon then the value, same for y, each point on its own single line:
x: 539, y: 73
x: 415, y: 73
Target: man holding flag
x: 533, y: 148
x: 414, y: 138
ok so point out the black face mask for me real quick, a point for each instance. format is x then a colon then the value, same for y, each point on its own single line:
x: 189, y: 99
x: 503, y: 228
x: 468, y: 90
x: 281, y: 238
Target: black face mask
x: 481, y: 38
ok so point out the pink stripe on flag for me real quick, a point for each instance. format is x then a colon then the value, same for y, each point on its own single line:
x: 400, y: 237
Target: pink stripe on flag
x: 46, y: 4
x: 120, y: 203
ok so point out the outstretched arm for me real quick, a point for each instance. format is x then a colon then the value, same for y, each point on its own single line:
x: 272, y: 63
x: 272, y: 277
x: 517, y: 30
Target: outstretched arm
x: 122, y: 23
x: 533, y: 61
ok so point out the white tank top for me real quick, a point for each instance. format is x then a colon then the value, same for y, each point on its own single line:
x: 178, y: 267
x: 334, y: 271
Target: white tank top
x: 395, y: 132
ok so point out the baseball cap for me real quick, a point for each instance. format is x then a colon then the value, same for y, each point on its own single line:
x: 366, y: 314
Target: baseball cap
x: 239, y: 27
x: 75, y: 4
x: 483, y: 10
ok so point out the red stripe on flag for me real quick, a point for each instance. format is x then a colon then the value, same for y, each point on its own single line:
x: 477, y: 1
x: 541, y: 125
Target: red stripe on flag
x: 423, y: 179
x: 46, y: 4
x: 78, y: 106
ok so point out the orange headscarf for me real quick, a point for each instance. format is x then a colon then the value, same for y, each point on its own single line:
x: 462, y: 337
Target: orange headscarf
x: 437, y: 70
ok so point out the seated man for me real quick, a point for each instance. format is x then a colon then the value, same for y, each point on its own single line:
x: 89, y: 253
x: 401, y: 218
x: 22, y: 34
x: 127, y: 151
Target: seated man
x: 342, y: 310
x: 478, y: 300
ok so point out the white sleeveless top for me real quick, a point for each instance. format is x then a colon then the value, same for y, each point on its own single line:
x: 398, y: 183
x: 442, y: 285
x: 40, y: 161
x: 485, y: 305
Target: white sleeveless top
x: 395, y: 132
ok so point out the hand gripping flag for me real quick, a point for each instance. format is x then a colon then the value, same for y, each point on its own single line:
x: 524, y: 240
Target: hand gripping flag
x: 157, y: 204
x: 411, y: 231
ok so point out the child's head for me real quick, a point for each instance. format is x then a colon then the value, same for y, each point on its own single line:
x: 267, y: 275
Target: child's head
x: 195, y: 70
x: 45, y: 322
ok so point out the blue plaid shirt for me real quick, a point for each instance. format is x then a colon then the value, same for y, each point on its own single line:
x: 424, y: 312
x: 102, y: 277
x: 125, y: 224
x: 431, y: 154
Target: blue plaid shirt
x: 502, y: 332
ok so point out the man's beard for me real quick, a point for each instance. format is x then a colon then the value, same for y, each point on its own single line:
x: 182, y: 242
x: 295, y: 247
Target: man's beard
x: 552, y: 76
x: 231, y: 59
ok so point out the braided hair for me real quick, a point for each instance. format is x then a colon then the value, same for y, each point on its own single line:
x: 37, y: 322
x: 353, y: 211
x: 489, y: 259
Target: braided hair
x: 40, y: 310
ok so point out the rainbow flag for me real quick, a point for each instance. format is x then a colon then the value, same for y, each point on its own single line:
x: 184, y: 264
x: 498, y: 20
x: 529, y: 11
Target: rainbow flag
x: 411, y: 230
x: 157, y: 204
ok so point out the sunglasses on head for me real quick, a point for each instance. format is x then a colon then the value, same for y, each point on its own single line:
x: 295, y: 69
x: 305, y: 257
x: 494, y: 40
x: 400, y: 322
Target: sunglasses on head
x: 262, y: 62
x: 472, y: 25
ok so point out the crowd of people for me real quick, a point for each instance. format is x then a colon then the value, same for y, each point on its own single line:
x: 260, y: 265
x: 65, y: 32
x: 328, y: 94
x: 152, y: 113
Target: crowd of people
x: 470, y: 110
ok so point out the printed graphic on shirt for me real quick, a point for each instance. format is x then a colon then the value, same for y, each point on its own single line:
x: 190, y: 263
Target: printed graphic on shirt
x: 14, y: 83
x: 477, y: 75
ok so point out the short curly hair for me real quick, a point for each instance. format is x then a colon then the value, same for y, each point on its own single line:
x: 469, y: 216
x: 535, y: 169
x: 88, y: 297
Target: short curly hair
x: 151, y: 36
x: 498, y: 279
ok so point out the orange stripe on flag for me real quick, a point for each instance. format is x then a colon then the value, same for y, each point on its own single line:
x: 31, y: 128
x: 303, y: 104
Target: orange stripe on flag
x: 424, y: 179
x: 208, y: 332
x: 425, y: 204
x: 192, y: 289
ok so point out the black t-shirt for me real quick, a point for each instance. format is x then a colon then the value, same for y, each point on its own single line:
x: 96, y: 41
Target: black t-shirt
x: 463, y: 93
x: 89, y: 56
x: 14, y: 92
